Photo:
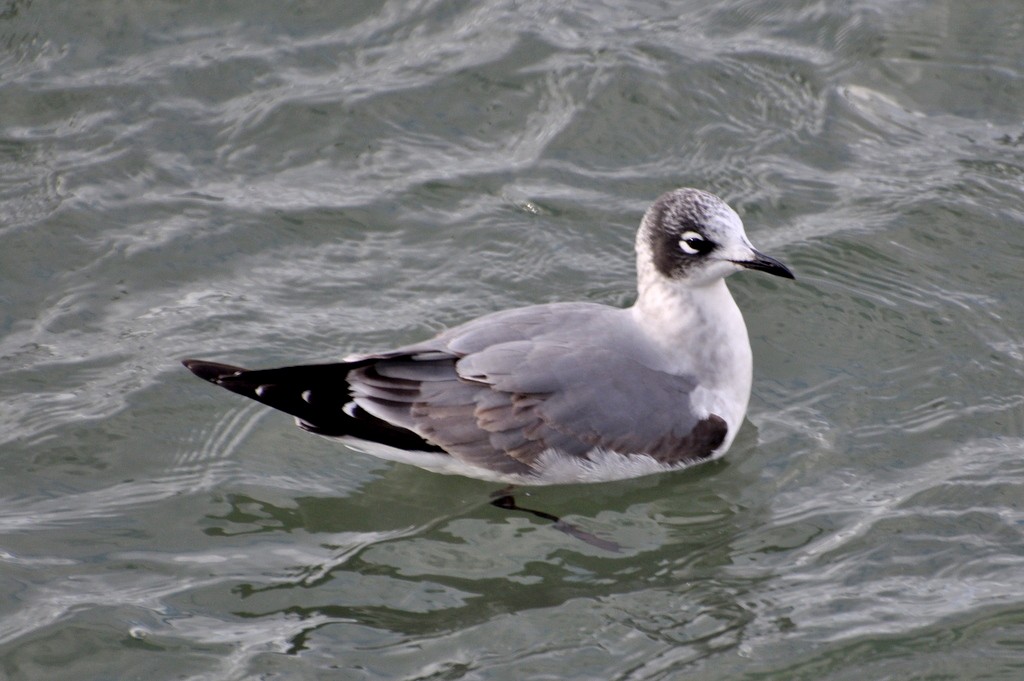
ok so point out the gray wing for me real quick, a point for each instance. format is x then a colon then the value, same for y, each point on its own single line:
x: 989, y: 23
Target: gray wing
x: 502, y: 390
x: 595, y: 397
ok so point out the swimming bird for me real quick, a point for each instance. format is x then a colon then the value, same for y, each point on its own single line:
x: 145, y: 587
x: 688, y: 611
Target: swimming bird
x: 556, y: 393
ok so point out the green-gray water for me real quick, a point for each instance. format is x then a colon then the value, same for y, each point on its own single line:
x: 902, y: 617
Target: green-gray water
x: 284, y: 182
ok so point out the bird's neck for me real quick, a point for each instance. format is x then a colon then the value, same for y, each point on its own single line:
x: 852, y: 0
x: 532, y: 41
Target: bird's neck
x: 702, y: 319
x: 679, y: 309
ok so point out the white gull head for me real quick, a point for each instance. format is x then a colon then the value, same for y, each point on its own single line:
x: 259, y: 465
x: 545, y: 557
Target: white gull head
x: 692, y: 238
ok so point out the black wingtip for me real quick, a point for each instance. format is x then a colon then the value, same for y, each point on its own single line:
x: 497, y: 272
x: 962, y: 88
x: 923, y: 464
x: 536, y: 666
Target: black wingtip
x: 315, y: 394
x: 210, y: 371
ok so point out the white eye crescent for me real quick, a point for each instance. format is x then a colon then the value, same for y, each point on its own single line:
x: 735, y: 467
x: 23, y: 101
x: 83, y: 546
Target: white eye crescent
x: 691, y: 242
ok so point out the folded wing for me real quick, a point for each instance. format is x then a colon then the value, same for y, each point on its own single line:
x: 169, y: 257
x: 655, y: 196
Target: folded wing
x: 497, y: 393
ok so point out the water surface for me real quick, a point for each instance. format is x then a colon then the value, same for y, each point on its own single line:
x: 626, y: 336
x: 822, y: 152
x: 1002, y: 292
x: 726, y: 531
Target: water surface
x: 271, y: 183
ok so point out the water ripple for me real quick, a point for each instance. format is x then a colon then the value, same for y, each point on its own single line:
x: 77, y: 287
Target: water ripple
x: 292, y: 183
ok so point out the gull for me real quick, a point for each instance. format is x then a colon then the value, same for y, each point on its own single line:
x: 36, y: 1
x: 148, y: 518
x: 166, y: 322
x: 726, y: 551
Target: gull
x: 557, y: 393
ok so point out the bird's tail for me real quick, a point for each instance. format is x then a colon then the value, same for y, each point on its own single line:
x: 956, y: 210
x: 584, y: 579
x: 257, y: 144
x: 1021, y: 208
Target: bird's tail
x: 315, y: 394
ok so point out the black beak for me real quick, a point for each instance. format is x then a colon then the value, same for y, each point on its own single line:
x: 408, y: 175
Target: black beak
x: 766, y: 263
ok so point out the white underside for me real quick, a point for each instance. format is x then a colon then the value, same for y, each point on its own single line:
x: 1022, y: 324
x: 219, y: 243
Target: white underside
x: 553, y: 468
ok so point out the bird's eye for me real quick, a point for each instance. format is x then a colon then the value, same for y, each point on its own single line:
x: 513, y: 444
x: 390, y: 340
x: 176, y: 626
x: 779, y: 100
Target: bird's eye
x: 693, y: 243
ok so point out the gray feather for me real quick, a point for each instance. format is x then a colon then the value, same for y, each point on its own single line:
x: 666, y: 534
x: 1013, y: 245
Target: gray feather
x: 503, y: 389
